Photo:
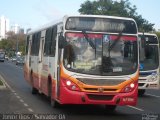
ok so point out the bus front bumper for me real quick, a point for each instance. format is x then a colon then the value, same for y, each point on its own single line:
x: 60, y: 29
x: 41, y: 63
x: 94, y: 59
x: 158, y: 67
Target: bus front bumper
x: 148, y: 85
x: 75, y: 97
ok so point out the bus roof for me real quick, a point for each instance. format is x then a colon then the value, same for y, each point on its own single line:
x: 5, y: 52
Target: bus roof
x: 103, y: 16
x: 149, y: 34
x: 43, y: 27
x: 52, y: 23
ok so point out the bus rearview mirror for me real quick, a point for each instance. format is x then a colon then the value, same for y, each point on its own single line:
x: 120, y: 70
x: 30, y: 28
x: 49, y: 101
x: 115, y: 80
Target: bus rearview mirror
x: 62, y: 42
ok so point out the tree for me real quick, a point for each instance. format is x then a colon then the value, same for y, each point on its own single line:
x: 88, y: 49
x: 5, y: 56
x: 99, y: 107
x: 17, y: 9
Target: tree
x: 114, y: 8
x: 12, y: 42
x: 158, y: 35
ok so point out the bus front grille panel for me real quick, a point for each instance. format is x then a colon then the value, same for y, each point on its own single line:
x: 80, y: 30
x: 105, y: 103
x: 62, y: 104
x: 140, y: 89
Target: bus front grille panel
x: 101, y: 82
x: 143, y: 75
x: 142, y: 79
x: 104, y: 90
x: 141, y: 84
x: 100, y: 97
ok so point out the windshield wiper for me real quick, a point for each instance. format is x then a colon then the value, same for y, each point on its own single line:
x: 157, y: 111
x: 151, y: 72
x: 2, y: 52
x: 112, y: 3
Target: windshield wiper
x: 115, y: 42
x: 106, y: 60
x: 89, y: 41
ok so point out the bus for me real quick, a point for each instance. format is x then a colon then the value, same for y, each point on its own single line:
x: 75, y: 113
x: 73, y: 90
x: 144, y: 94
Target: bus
x: 149, y: 62
x: 85, y: 59
x: 2, y: 56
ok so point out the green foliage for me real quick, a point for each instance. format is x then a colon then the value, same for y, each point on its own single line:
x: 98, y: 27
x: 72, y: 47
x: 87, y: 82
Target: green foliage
x: 158, y: 34
x: 6, y: 44
x: 114, y: 8
x: 10, y: 44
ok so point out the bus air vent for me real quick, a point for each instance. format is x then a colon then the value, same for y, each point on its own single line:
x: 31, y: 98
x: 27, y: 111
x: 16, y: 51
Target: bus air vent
x: 100, y: 97
x: 101, y: 82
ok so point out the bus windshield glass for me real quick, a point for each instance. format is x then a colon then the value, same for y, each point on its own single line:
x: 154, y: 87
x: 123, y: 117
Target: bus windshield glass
x: 101, y: 25
x: 100, y: 54
x: 149, y: 58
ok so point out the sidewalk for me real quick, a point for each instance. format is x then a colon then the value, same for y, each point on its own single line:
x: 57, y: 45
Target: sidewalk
x: 4, y: 96
x: 9, y: 103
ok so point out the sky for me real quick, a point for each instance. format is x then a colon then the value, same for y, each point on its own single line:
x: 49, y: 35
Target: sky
x: 34, y: 13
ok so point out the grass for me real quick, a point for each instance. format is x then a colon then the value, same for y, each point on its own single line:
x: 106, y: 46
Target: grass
x: 1, y: 83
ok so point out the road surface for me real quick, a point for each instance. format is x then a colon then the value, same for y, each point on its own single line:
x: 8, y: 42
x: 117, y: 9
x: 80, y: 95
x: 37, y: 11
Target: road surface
x: 17, y: 98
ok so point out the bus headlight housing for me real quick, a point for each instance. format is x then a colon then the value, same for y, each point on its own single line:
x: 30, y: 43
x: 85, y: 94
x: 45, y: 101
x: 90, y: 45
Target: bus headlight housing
x: 130, y: 87
x: 70, y: 85
x: 153, y: 77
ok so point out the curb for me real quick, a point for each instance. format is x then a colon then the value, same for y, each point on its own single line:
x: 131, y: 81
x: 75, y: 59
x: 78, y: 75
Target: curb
x: 2, y: 87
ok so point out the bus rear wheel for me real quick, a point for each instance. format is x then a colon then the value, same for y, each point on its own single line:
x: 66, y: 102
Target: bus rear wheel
x: 141, y: 92
x: 33, y: 90
x: 110, y: 108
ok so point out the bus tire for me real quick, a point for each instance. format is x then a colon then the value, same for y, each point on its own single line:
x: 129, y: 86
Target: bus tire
x: 33, y: 90
x: 54, y: 103
x: 141, y: 92
x: 110, y: 108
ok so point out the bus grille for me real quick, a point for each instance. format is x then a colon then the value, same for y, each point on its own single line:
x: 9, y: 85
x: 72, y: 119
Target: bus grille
x: 143, y: 75
x: 104, y: 90
x: 100, y: 97
x: 101, y: 82
x: 141, y: 84
x: 142, y: 79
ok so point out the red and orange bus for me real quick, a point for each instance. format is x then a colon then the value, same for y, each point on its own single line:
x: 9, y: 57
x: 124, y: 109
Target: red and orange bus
x: 85, y: 59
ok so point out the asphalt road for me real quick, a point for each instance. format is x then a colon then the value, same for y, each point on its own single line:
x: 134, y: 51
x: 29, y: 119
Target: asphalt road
x: 17, y: 98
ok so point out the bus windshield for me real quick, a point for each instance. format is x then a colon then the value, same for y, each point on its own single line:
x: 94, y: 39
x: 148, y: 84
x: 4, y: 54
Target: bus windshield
x: 101, y: 25
x: 149, y: 58
x: 100, y: 54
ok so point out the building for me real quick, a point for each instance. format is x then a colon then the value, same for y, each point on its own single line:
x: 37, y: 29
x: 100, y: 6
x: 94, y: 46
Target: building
x: 4, y: 27
x: 15, y: 28
x: 21, y: 31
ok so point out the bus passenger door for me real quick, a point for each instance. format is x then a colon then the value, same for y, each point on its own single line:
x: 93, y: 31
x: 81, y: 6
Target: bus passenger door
x: 28, y: 58
x: 40, y: 60
x: 57, y: 61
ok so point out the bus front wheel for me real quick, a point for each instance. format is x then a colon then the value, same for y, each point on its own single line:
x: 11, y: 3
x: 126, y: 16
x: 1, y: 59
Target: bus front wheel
x: 110, y: 108
x: 54, y: 103
x: 141, y: 92
x: 33, y: 90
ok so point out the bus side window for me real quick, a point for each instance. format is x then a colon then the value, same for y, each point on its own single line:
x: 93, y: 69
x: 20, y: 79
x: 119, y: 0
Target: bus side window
x: 53, y: 42
x: 35, y: 44
x: 27, y: 44
x: 126, y: 49
x: 50, y: 41
x: 47, y: 42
